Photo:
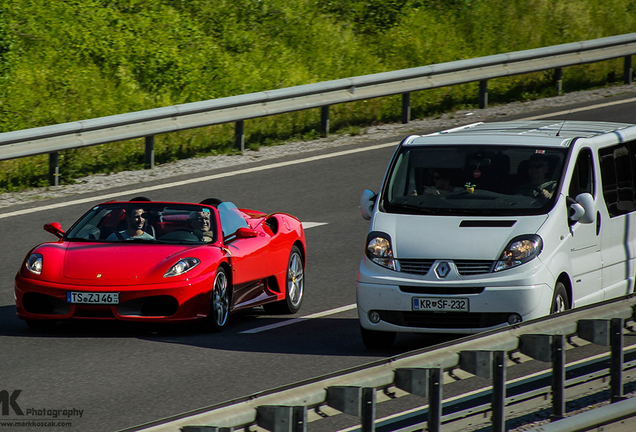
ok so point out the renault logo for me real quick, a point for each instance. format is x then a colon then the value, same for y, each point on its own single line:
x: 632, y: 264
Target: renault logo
x: 442, y: 270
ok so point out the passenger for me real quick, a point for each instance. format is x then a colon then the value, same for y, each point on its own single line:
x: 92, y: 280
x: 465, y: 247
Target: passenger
x: 135, y: 221
x: 200, y: 221
x: 441, y: 184
x: 539, y: 186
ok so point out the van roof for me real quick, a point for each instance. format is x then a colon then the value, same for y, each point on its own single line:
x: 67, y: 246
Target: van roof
x: 548, y: 133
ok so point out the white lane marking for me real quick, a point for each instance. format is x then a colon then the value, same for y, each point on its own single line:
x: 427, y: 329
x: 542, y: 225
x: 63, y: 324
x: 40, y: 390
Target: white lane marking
x: 134, y: 192
x: 307, y: 225
x: 305, y: 318
x: 603, y: 105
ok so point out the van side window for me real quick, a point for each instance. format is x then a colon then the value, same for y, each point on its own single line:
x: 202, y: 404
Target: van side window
x: 617, y: 174
x: 583, y: 176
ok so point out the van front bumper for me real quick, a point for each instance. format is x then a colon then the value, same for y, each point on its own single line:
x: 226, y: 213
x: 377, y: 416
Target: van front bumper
x: 489, y: 308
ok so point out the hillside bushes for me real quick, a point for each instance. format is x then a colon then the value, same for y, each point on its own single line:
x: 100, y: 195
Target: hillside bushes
x: 67, y: 60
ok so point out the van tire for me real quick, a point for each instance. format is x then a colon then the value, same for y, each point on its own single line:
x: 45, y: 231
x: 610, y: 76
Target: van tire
x: 560, y: 299
x: 377, y: 340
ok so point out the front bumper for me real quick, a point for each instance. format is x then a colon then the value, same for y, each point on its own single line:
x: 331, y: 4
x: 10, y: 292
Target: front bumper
x: 166, y: 302
x: 493, y: 300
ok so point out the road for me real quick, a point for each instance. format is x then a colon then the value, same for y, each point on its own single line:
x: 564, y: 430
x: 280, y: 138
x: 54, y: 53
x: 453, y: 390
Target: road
x: 119, y: 376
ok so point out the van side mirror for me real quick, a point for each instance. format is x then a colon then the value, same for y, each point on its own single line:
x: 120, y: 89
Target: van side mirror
x: 582, y: 209
x: 367, y: 201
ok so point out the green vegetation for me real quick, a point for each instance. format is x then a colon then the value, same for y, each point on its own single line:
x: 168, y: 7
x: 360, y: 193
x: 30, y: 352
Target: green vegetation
x: 68, y: 60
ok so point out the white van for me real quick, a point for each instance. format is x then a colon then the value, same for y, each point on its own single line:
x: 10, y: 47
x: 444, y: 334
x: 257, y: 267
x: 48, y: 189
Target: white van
x: 494, y: 224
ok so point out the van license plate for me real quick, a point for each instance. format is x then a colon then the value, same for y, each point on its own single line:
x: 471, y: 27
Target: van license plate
x: 433, y: 304
x: 92, y: 298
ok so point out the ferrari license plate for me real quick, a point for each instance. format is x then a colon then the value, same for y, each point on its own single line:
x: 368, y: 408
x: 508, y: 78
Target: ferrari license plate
x: 437, y: 304
x: 92, y: 298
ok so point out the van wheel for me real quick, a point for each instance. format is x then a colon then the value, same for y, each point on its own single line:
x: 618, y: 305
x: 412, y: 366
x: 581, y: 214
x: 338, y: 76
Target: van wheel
x: 560, y: 300
x: 377, y: 339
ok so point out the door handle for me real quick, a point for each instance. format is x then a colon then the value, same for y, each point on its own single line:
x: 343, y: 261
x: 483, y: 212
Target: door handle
x: 598, y: 223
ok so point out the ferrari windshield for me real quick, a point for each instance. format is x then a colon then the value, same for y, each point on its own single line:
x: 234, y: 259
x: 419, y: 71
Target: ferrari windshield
x: 146, y: 222
x: 473, y: 179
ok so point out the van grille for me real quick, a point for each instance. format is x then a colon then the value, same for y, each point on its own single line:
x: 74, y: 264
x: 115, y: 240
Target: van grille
x: 415, y: 266
x: 464, y: 267
x: 468, y: 268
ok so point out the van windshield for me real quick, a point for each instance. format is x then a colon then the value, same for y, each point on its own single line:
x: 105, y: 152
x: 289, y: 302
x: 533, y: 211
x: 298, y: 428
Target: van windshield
x: 474, y: 180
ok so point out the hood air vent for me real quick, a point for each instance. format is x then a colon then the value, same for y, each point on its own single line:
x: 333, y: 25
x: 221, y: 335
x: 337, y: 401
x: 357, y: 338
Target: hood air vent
x: 487, y: 223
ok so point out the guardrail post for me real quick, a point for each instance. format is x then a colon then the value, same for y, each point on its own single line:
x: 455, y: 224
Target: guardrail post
x: 345, y: 399
x: 324, y: 120
x: 596, y: 331
x: 483, y: 94
x: 434, y: 400
x: 149, y: 155
x: 549, y: 348
x: 477, y: 363
x: 616, y: 367
x: 367, y: 409
x: 406, y: 107
x: 558, y: 377
x: 239, y: 135
x: 356, y: 401
x: 412, y: 380
x: 627, y: 69
x: 498, y: 391
x: 558, y: 80
x: 280, y: 418
x: 54, y: 169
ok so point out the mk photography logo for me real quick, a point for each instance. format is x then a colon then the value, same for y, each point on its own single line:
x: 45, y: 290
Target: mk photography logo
x: 9, y: 406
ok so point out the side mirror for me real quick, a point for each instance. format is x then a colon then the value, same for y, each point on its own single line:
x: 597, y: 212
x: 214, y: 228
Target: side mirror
x: 243, y: 233
x: 367, y: 201
x: 54, y: 228
x: 582, y: 209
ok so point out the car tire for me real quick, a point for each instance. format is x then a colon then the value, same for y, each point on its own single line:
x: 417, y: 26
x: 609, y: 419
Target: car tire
x: 294, y: 286
x: 374, y: 340
x: 560, y: 299
x: 219, y: 302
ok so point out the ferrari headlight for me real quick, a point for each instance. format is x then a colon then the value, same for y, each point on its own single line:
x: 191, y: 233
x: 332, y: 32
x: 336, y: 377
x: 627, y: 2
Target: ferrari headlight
x: 34, y: 263
x: 520, y: 250
x: 182, y: 266
x: 379, y: 250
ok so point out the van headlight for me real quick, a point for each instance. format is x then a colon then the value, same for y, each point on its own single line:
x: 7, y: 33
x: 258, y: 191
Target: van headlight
x: 520, y: 250
x: 379, y: 250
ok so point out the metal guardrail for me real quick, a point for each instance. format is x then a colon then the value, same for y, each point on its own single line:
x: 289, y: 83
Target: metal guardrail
x: 354, y: 391
x: 147, y: 124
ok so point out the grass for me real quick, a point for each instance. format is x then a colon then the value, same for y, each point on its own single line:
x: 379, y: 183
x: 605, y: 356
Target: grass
x: 69, y: 60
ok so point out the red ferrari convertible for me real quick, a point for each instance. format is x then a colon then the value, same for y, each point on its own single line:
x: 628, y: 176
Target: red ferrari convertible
x: 164, y: 262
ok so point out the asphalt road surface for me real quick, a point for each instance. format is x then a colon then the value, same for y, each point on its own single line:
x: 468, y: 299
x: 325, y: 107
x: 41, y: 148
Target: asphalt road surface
x: 111, y: 376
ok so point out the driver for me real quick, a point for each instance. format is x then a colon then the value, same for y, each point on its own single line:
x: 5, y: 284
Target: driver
x: 539, y: 186
x: 200, y: 221
x: 135, y: 221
